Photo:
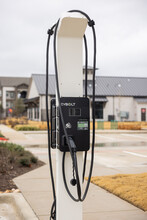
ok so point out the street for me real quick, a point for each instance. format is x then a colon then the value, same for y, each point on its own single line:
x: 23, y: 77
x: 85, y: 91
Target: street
x: 116, y: 153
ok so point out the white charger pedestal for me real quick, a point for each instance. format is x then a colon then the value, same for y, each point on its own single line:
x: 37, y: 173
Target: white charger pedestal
x: 69, y: 42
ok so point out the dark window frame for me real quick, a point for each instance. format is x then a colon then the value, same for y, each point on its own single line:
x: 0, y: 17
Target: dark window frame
x: 143, y: 114
x: 99, y: 110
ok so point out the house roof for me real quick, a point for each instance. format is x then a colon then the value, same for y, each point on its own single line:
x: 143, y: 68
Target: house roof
x: 104, y: 86
x: 40, y: 82
x: 120, y: 86
x: 13, y: 81
x: 35, y: 99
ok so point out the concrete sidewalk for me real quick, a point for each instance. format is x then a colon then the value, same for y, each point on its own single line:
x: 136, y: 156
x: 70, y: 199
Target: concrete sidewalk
x: 22, y: 139
x: 99, y: 204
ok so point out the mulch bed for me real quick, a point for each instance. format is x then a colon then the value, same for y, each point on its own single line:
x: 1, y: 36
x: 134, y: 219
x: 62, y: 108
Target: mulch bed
x: 6, y: 177
x: 11, y: 169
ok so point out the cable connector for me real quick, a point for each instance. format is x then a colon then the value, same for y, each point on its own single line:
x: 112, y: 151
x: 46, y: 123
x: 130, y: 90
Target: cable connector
x: 50, y: 32
x: 91, y: 23
x: 72, y: 144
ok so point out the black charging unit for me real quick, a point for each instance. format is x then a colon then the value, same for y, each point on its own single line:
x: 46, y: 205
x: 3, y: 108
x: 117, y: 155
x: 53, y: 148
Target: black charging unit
x: 77, y: 122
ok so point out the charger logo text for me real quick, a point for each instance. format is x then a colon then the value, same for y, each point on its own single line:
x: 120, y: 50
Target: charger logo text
x: 68, y: 104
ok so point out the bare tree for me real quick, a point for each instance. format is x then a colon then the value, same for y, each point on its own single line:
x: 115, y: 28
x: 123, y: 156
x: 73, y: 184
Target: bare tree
x: 19, y: 107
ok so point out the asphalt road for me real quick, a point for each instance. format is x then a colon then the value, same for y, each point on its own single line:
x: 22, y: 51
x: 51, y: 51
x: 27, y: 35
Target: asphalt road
x: 131, y: 138
x: 115, y: 153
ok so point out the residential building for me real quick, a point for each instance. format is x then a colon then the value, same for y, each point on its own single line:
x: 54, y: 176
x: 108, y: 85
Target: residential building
x: 117, y: 98
x: 12, y: 88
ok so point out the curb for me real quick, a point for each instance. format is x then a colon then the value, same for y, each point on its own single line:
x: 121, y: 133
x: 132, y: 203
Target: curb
x: 33, y: 132
x: 121, y: 144
x: 120, y: 131
x: 106, y: 131
x: 35, y: 145
x: 19, y: 205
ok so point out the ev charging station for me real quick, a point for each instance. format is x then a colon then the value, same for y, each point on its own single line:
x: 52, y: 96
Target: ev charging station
x: 70, y: 115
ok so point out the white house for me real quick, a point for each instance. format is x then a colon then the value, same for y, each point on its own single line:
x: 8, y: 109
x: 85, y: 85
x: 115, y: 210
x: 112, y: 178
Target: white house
x: 117, y: 98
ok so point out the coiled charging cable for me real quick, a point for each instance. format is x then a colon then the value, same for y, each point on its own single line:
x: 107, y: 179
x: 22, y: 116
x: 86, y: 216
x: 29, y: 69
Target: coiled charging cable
x: 70, y: 143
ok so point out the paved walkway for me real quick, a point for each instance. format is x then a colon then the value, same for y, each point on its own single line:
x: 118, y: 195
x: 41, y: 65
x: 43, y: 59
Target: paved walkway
x: 18, y: 137
x: 99, y: 204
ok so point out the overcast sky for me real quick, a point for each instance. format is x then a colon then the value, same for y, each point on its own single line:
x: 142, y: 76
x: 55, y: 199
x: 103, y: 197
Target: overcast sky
x: 121, y: 29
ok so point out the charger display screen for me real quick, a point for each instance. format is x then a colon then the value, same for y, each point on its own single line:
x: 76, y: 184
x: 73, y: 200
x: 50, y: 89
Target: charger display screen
x: 82, y: 125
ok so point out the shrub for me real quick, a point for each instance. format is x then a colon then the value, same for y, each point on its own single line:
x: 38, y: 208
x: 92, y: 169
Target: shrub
x: 25, y: 162
x: 16, y: 154
x: 129, y: 126
x: 3, y: 122
x: 26, y: 128
x: 34, y: 159
x: 43, y: 127
x: 14, y: 121
x: 13, y: 147
x: 1, y: 135
x: 11, y: 159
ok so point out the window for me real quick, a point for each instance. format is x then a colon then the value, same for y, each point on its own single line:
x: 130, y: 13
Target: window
x: 0, y: 93
x: 30, y: 113
x: 36, y: 113
x: 11, y: 95
x: 11, y: 104
x: 99, y: 110
x: 7, y: 104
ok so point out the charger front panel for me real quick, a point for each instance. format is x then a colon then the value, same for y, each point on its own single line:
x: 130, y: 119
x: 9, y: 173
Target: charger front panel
x: 77, y: 122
